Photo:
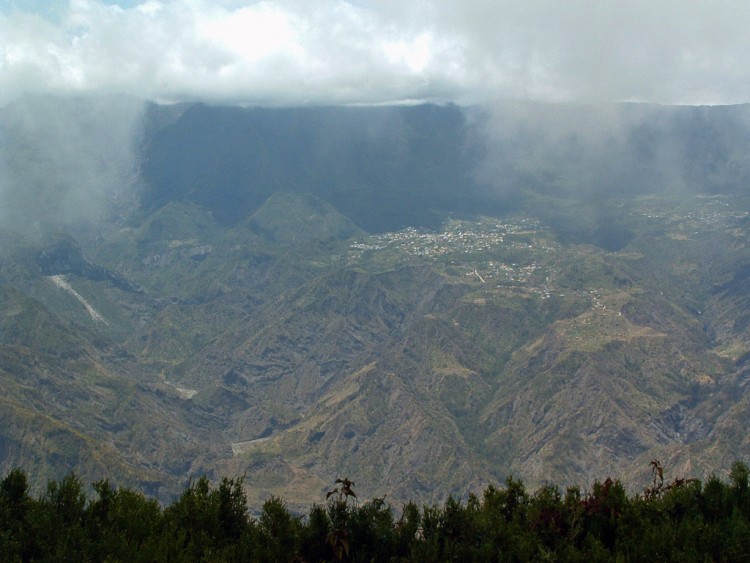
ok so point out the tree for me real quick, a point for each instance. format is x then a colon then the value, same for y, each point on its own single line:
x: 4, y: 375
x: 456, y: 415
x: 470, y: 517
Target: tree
x: 16, y: 542
x: 122, y: 524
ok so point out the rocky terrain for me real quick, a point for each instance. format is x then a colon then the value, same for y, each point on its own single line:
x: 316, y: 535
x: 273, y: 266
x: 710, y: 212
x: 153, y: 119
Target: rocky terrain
x: 349, y: 305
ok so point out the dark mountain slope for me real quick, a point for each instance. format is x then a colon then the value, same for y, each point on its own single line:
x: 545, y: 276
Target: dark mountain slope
x: 384, y: 168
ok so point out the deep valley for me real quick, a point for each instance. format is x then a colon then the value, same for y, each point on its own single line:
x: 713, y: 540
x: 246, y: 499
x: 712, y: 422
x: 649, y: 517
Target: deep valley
x: 292, y: 301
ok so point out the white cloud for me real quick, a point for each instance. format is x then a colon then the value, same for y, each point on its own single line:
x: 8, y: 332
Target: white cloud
x: 63, y: 161
x: 333, y: 51
x: 251, y: 34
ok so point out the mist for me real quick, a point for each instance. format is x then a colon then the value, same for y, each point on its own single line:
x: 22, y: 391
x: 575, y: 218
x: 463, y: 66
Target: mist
x: 609, y: 149
x: 67, y: 162
x: 64, y: 161
x: 568, y: 164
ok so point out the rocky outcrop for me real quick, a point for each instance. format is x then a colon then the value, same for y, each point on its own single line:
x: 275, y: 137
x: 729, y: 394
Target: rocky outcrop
x: 65, y: 256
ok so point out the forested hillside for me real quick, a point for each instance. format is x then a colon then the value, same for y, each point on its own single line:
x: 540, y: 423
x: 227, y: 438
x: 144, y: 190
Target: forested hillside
x: 681, y: 520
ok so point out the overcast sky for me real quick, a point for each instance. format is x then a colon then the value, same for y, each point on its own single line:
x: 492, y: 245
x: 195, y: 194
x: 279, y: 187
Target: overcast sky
x: 379, y: 51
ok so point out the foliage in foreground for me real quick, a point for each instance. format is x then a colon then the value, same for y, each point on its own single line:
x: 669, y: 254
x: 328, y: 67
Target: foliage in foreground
x: 686, y: 520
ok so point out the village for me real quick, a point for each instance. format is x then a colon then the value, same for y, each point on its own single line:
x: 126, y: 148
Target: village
x: 489, y: 251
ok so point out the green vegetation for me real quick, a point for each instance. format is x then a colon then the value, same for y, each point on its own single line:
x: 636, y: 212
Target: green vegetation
x: 685, y: 520
x: 291, y: 346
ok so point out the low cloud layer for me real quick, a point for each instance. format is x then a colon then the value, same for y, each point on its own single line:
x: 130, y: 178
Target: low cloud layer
x: 293, y: 52
x: 64, y: 161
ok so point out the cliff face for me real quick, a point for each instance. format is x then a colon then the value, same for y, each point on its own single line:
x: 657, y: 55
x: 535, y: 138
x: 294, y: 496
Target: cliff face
x: 66, y: 257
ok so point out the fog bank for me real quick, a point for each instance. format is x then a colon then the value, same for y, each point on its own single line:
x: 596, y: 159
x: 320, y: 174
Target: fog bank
x: 64, y: 160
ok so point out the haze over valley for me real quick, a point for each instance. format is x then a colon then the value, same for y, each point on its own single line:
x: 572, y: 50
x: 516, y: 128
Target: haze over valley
x: 415, y: 296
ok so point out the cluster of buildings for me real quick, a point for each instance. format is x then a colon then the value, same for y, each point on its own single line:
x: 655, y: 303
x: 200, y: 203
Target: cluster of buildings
x: 490, y: 250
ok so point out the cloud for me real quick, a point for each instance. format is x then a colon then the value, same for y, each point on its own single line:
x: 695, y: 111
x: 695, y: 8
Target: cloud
x: 63, y: 162
x: 333, y: 51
